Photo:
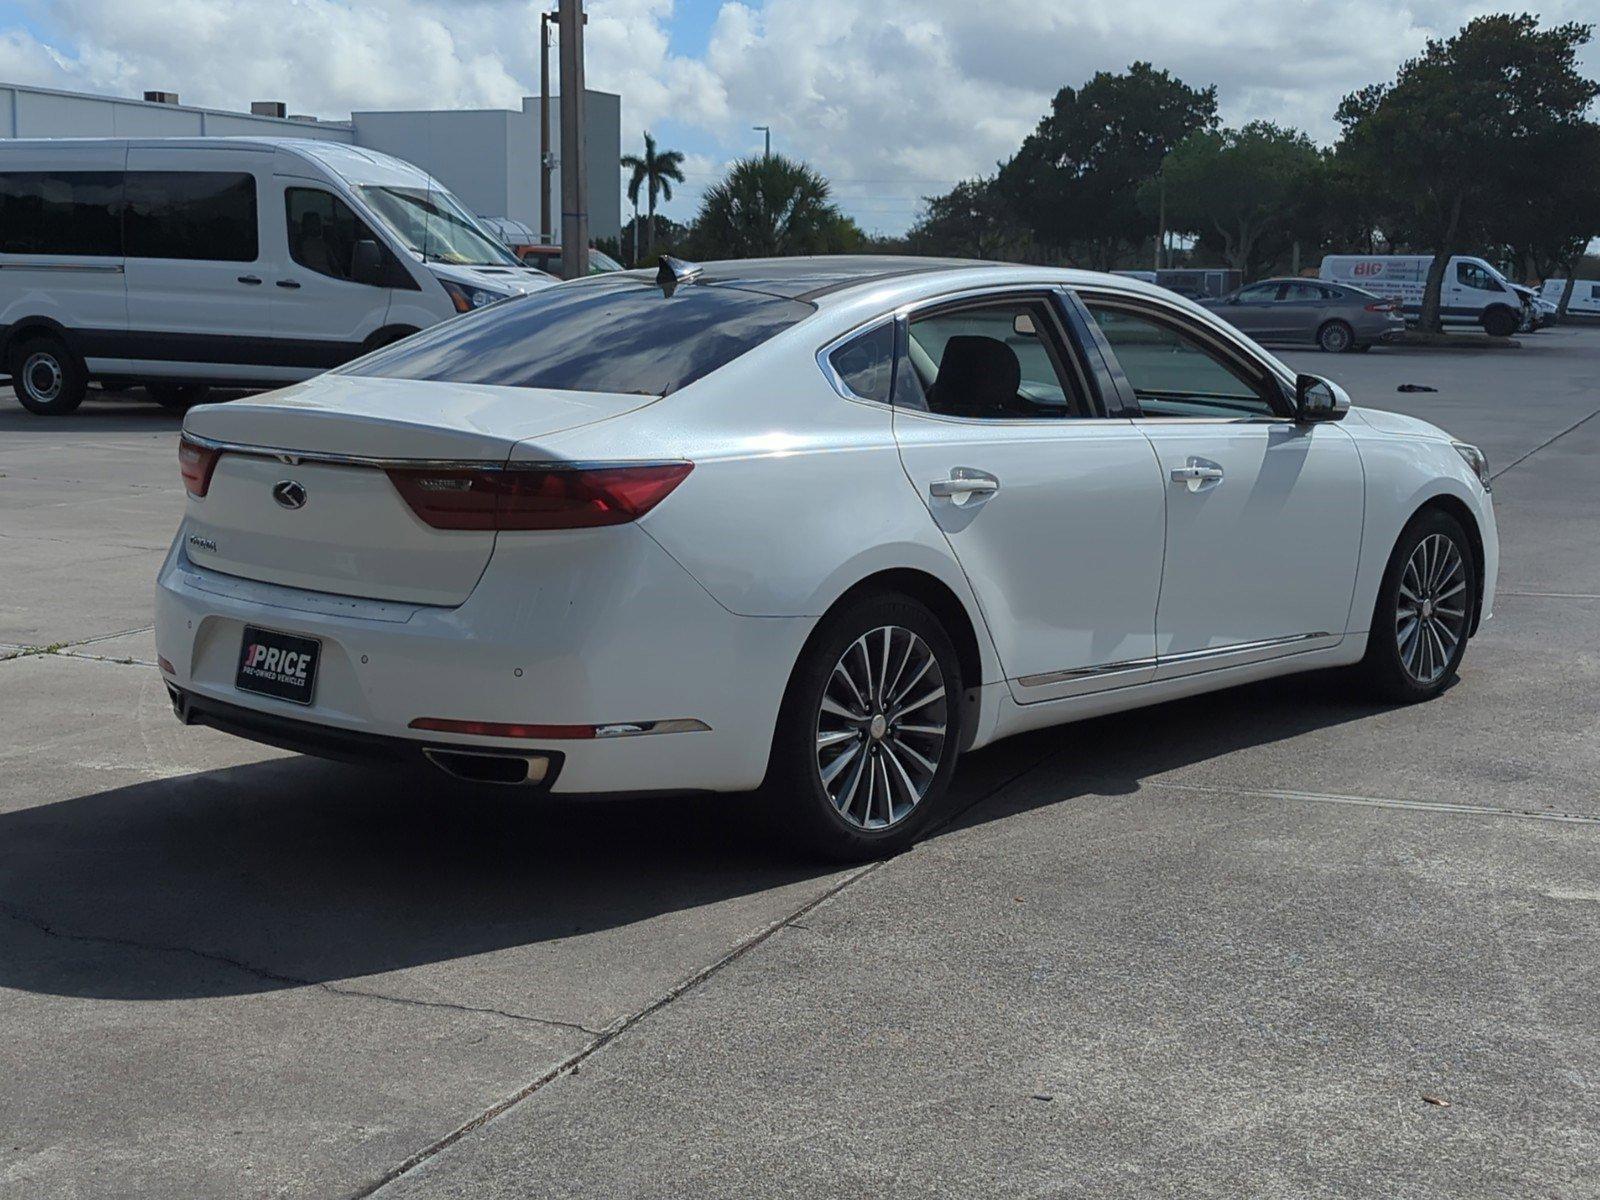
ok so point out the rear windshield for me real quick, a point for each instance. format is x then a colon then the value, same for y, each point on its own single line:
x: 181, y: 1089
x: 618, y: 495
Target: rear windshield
x: 621, y: 336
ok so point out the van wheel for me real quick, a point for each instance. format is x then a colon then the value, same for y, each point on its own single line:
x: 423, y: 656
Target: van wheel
x: 1336, y: 337
x: 1423, y: 612
x: 47, y: 376
x: 869, y: 731
x: 1500, y: 322
x: 179, y: 397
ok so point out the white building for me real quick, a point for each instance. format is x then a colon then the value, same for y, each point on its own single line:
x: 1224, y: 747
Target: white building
x: 489, y: 157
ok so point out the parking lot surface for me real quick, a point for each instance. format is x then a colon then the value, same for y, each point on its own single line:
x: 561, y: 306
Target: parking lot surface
x: 1276, y: 941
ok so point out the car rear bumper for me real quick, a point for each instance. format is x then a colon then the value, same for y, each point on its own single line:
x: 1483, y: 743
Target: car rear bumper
x: 596, y: 632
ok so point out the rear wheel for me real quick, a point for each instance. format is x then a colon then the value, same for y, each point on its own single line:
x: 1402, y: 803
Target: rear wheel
x: 47, y: 376
x: 1423, y: 612
x: 179, y: 397
x: 1336, y: 337
x: 869, y: 732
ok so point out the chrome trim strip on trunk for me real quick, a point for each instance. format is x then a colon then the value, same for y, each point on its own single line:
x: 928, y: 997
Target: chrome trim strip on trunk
x: 1143, y: 664
x: 294, y: 458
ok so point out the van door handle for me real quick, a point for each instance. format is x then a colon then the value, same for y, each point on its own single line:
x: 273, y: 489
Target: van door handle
x: 288, y: 283
x: 252, y: 280
x: 964, y: 481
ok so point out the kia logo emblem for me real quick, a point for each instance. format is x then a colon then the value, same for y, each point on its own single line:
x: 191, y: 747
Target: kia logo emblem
x: 291, y: 493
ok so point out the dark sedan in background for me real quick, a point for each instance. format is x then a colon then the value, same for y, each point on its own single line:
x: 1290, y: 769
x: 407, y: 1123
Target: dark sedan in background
x: 1334, y: 316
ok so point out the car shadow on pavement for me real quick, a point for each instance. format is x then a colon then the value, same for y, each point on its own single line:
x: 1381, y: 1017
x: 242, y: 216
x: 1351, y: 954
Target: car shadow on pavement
x: 293, y: 871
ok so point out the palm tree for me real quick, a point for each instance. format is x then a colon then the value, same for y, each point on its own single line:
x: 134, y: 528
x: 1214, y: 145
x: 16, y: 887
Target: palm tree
x: 660, y: 169
x: 770, y: 206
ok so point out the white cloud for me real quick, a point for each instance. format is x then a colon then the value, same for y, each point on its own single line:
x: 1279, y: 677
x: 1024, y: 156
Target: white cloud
x: 892, y: 99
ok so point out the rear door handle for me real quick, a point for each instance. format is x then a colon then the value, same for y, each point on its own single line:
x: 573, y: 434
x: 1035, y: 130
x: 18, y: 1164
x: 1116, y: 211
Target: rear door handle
x: 252, y: 280
x: 965, y: 481
x: 288, y: 283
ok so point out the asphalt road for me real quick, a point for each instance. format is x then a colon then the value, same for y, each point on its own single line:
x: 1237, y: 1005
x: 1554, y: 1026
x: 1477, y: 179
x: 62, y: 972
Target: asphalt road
x: 1231, y: 946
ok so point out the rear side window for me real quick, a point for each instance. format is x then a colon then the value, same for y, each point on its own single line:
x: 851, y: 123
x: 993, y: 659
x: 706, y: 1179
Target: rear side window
x: 607, y: 336
x: 865, y: 364
x: 61, y: 212
x: 207, y: 215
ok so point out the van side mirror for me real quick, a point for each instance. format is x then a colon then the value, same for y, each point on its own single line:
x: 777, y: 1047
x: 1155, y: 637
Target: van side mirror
x: 366, y: 265
x: 1318, y: 399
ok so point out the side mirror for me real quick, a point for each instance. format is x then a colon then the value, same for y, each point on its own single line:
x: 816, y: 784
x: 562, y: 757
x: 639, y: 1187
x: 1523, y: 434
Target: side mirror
x: 1318, y: 399
x: 366, y: 265
x: 1233, y: 299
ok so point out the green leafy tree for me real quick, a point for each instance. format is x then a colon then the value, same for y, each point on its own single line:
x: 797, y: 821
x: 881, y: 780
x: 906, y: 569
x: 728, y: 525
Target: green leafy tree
x: 1076, y: 179
x: 656, y: 172
x: 974, y: 219
x: 1547, y: 228
x: 771, y: 206
x: 1244, y: 190
x: 1464, y: 128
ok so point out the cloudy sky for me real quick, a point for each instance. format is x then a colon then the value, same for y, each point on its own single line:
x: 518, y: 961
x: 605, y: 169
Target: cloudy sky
x: 892, y: 99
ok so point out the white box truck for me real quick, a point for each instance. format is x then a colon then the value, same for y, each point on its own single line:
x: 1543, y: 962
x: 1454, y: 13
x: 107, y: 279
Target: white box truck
x: 179, y: 263
x: 1473, y: 292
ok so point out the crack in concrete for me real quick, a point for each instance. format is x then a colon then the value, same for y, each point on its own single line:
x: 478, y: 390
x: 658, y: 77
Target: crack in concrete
x: 570, y: 1064
x: 1546, y: 444
x: 1433, y: 806
x: 23, y: 918
x: 64, y: 649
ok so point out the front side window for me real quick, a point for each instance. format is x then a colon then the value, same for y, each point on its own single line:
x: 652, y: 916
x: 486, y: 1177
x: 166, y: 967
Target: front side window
x: 61, y: 212
x: 597, y: 336
x: 1305, y: 291
x: 208, y: 215
x: 434, y: 225
x: 323, y: 232
x: 998, y: 361
x: 1473, y: 275
x: 1176, y: 374
x: 865, y: 364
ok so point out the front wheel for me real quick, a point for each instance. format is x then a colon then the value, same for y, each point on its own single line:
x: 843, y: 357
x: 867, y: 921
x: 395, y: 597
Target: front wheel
x: 1424, y: 611
x: 1500, y: 322
x: 869, y: 731
x: 47, y: 376
x: 1335, y: 337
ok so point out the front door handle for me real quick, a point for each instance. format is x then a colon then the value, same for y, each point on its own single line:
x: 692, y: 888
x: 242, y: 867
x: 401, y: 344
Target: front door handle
x: 252, y: 280
x: 1197, y: 473
x: 964, y: 481
x: 287, y: 283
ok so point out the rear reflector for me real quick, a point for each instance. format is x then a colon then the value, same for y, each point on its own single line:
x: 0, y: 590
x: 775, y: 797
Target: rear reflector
x: 535, y: 497
x: 165, y: 665
x: 195, y: 464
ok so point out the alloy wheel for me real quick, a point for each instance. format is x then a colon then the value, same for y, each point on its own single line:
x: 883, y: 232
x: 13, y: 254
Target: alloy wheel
x: 1431, y: 617
x: 43, y: 377
x: 881, y: 727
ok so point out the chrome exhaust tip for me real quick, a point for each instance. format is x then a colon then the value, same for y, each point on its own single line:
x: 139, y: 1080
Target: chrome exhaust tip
x: 510, y: 770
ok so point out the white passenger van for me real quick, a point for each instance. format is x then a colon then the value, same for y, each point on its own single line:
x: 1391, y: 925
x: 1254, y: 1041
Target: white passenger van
x: 1585, y: 300
x: 180, y: 263
x: 1473, y: 292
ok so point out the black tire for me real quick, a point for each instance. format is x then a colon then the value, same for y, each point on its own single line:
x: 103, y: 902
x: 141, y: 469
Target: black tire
x: 1500, y: 322
x: 1336, y: 337
x: 48, y: 378
x: 798, y: 800
x: 1392, y: 662
x: 179, y: 397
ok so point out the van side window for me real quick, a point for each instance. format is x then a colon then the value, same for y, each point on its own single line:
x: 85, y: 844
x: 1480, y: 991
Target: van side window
x: 1471, y: 275
x: 209, y: 215
x: 61, y: 212
x: 323, y: 232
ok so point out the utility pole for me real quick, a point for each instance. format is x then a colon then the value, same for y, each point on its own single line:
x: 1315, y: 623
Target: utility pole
x: 574, y: 165
x: 1161, y: 220
x: 547, y: 159
x: 766, y: 129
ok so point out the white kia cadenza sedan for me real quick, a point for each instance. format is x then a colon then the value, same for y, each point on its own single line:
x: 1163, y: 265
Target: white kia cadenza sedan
x: 807, y: 526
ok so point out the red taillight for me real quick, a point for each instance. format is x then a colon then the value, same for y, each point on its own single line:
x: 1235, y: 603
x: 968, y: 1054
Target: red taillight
x: 1384, y: 306
x: 501, y: 730
x: 536, y: 497
x: 195, y: 464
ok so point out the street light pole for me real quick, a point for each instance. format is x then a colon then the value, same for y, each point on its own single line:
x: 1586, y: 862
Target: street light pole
x: 574, y: 166
x: 766, y: 129
x: 546, y: 158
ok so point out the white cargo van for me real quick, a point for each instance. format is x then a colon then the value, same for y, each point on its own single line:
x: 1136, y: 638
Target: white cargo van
x: 1585, y: 300
x: 184, y: 262
x: 1473, y: 292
